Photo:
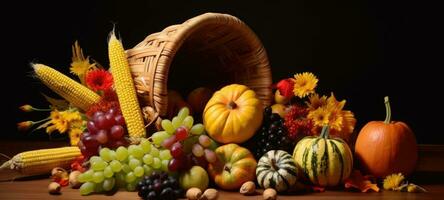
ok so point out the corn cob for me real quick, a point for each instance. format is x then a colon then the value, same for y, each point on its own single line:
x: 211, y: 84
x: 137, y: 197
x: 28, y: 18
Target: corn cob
x: 126, y: 92
x: 37, y: 162
x: 74, y: 92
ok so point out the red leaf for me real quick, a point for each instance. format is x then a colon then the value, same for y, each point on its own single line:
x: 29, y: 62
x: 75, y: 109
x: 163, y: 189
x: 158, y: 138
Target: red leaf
x: 317, y: 189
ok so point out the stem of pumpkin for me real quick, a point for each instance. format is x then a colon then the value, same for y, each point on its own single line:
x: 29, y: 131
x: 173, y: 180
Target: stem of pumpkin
x: 325, y: 131
x: 232, y: 105
x: 273, y: 164
x: 388, y: 111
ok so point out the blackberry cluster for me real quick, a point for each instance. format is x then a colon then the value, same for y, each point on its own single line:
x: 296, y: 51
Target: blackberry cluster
x: 273, y: 135
x: 159, y: 185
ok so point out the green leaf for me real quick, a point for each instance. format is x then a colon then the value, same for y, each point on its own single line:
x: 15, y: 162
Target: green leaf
x: 44, y: 125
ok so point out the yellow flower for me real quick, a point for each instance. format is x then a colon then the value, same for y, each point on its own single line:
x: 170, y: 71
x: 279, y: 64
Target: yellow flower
x: 393, y: 181
x: 58, y: 121
x: 320, y: 117
x: 335, y: 120
x: 347, y: 125
x: 315, y: 102
x: 71, y: 116
x: 74, y: 136
x: 65, y: 120
x: 304, y: 84
x: 329, y: 111
x: 80, y: 65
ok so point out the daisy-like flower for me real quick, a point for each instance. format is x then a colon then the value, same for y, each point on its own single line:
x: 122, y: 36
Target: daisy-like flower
x: 99, y: 80
x: 348, y: 125
x: 393, y: 181
x: 330, y: 111
x: 60, y: 123
x: 320, y: 117
x: 335, y: 121
x: 64, y: 121
x: 304, y: 84
x: 74, y: 136
x: 316, y: 102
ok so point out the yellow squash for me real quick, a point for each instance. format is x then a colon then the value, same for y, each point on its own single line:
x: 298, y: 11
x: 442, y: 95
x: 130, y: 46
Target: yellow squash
x: 233, y: 114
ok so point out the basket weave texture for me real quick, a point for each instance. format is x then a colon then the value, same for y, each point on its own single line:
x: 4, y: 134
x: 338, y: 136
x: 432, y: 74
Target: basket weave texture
x: 229, y: 49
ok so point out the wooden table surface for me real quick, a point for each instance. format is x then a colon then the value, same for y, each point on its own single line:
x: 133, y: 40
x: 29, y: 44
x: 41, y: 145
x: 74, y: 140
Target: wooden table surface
x: 37, y: 188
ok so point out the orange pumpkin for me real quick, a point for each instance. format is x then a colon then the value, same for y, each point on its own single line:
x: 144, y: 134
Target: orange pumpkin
x: 235, y: 165
x: 233, y: 114
x: 387, y: 147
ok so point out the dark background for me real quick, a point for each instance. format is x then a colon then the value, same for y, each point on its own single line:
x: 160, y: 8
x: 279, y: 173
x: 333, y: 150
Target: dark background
x: 361, y: 50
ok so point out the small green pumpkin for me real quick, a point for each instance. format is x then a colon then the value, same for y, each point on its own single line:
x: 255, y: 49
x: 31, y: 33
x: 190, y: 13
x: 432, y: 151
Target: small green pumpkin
x: 322, y: 160
x: 276, y: 169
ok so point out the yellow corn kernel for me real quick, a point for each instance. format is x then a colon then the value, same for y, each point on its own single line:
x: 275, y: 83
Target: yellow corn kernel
x: 74, y: 92
x: 36, y: 162
x: 126, y: 92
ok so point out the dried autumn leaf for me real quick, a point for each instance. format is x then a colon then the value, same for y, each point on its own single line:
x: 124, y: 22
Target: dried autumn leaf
x: 317, y: 188
x: 58, y: 104
x: 362, y: 183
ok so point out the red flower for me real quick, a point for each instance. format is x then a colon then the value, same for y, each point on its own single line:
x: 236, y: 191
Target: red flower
x: 103, y: 105
x: 297, y: 123
x: 99, y: 80
x: 109, y: 95
x: 285, y: 87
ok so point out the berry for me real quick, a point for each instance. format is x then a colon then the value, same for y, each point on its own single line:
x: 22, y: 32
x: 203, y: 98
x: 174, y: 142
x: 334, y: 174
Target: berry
x: 272, y: 135
x: 159, y: 186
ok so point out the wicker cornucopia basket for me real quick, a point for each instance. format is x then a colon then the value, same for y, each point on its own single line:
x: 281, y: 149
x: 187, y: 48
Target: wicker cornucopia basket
x: 220, y: 48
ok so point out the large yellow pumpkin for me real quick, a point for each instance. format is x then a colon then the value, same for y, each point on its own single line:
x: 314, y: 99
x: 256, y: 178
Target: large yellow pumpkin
x: 233, y: 114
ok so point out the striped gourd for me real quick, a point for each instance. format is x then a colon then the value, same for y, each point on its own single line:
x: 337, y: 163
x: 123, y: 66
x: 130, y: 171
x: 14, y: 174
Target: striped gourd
x: 37, y: 162
x: 71, y: 90
x: 276, y: 169
x: 322, y: 160
x: 126, y: 92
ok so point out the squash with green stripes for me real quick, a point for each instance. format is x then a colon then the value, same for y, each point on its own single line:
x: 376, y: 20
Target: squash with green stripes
x: 322, y: 160
x: 276, y: 169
